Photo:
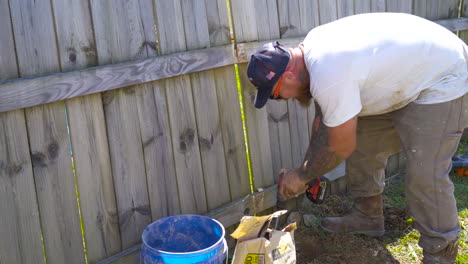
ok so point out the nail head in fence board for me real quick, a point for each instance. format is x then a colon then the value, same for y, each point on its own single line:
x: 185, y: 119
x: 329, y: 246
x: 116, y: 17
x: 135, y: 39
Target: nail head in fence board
x: 88, y: 134
x: 50, y: 153
x: 120, y: 34
x: 19, y: 221
x: 190, y: 182
x: 206, y: 108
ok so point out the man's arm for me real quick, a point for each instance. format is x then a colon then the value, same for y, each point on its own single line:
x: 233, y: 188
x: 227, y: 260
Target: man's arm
x: 328, y: 147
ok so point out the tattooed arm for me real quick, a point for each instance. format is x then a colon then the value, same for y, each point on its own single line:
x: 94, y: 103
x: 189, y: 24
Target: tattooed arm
x: 328, y: 147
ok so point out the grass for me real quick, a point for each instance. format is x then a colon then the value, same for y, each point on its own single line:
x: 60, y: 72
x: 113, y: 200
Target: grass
x: 405, y: 248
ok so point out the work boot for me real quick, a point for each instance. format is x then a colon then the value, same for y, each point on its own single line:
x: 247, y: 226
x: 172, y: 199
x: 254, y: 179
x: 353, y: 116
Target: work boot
x: 365, y: 218
x: 445, y: 256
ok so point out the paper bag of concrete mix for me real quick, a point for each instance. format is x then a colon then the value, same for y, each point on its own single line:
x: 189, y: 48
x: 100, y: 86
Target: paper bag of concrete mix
x: 260, y: 243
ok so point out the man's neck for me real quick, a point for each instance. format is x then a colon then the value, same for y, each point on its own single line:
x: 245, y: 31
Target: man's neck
x: 297, y: 63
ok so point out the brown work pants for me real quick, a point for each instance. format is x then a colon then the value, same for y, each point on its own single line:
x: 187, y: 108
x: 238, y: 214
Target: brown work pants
x: 429, y: 136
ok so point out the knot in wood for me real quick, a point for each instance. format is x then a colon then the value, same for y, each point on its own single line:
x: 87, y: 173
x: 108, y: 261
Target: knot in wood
x: 52, y: 150
x: 206, y: 143
x: 186, y: 139
x: 38, y: 159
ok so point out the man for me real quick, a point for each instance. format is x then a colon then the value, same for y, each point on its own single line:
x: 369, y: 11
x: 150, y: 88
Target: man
x: 382, y: 82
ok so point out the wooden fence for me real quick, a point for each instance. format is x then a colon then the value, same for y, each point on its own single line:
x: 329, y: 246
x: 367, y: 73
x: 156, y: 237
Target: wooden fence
x: 131, y: 108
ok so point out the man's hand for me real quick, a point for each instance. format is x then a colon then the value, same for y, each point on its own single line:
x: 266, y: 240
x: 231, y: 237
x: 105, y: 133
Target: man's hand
x: 292, y: 184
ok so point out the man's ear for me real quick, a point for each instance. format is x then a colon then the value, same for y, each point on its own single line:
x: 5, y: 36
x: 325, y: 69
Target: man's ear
x: 289, y: 75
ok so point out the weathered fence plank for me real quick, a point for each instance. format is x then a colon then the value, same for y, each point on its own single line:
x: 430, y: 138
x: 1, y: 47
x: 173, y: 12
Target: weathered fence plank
x: 233, y: 134
x: 20, y: 228
x: 36, y: 51
x: 328, y: 11
x: 280, y: 136
x: 156, y: 133
x: 298, y: 121
x: 206, y: 108
x: 21, y: 93
x: 246, y: 28
x: 88, y: 134
x: 185, y: 141
x: 347, y: 7
x: 464, y: 13
x: 400, y: 6
x: 378, y: 6
x: 365, y: 6
x: 119, y: 36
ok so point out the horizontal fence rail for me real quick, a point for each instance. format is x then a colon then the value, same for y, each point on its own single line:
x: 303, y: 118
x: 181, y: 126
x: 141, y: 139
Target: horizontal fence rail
x: 27, y: 92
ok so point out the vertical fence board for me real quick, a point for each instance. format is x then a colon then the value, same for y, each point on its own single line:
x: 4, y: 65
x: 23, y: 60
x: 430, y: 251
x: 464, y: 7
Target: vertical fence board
x: 363, y: 6
x: 399, y: 6
x: 88, y: 134
x: 159, y: 157
x: 277, y: 112
x: 181, y: 111
x: 245, y: 16
x: 328, y: 11
x: 280, y: 136
x: 120, y: 35
x: 156, y: 132
x: 290, y: 22
x: 206, y: 108
x: 347, y: 7
x: 20, y: 229
x: 299, y: 124
x: 37, y: 53
x: 233, y: 134
x: 228, y: 103
x: 464, y: 13
x: 306, y: 17
x: 378, y: 5
x: 19, y: 223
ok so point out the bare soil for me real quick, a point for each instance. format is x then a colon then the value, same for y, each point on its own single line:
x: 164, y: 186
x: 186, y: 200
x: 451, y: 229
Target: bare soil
x: 313, y: 245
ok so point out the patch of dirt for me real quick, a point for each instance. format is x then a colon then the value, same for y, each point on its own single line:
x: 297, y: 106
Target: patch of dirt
x: 313, y: 245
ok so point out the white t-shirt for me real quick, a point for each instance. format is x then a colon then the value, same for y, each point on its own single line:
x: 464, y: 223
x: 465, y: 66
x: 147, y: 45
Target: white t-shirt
x: 372, y: 64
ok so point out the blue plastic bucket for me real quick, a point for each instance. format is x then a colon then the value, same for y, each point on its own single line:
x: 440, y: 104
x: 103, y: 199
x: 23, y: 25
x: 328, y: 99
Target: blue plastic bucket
x: 186, y: 239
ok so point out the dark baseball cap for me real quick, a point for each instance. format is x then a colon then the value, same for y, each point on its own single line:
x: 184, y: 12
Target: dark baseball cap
x: 265, y: 67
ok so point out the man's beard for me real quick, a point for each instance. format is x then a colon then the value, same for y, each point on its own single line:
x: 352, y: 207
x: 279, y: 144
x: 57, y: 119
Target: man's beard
x: 304, y: 98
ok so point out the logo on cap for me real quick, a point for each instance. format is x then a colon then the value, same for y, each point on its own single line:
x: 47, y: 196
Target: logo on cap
x: 270, y: 75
